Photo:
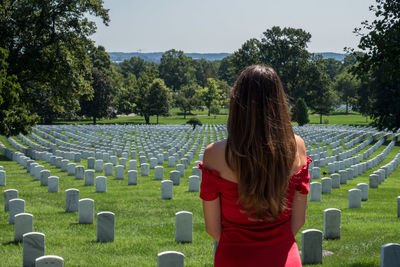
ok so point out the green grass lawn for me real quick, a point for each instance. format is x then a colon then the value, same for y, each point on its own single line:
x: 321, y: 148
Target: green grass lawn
x: 177, y: 118
x: 145, y: 223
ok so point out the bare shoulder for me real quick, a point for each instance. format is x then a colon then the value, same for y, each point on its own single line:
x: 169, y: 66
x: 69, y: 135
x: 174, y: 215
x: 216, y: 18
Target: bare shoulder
x: 301, y: 150
x: 214, y: 155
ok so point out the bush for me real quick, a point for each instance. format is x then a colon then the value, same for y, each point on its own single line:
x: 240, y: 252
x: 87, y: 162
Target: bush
x: 194, y: 122
x: 300, y: 112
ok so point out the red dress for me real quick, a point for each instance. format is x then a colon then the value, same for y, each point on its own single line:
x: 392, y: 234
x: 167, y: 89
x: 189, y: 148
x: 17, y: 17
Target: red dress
x: 253, y: 243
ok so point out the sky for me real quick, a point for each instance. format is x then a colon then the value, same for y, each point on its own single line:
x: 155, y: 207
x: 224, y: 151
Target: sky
x: 216, y: 26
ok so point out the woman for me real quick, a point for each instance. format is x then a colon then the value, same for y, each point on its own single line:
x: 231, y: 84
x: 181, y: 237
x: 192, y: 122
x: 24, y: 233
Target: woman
x: 255, y: 184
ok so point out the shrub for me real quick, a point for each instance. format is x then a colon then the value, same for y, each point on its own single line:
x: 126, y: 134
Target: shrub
x: 300, y: 112
x: 194, y: 122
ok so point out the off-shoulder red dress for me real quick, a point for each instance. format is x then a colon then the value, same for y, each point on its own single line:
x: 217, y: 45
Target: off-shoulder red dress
x: 245, y: 242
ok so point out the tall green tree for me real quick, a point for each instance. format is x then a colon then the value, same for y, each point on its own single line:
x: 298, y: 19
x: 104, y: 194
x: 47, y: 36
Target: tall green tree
x: 346, y: 85
x: 210, y: 94
x: 188, y: 98
x: 379, y: 66
x: 226, y: 70
x: 101, y: 105
x: 14, y: 117
x: 47, y: 43
x: 134, y: 65
x: 158, y: 98
x: 333, y: 67
x: 125, y: 96
x: 142, y: 92
x: 205, y: 69
x: 300, y: 112
x: 320, y: 96
x: 284, y: 49
x: 176, y: 69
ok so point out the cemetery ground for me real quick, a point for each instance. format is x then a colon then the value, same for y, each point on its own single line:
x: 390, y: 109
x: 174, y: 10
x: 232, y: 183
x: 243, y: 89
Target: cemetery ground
x: 145, y: 224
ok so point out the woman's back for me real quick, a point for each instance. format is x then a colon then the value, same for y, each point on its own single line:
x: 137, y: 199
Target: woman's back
x: 254, y: 184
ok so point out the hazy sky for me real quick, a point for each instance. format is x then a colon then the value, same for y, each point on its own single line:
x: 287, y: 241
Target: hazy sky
x: 224, y: 25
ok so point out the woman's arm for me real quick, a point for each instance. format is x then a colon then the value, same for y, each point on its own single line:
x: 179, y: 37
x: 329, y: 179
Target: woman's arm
x: 299, y: 206
x: 212, y: 218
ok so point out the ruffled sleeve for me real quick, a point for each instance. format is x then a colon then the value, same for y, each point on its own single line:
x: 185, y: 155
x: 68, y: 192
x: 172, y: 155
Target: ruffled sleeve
x: 303, y: 179
x: 209, y: 189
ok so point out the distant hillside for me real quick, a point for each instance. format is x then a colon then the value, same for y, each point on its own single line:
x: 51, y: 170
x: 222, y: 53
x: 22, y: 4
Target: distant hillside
x: 337, y: 56
x: 156, y: 56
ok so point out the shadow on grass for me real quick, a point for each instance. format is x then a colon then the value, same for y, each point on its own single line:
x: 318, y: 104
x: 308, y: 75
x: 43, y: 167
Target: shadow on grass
x: 11, y: 243
x: 3, y: 157
x: 362, y: 265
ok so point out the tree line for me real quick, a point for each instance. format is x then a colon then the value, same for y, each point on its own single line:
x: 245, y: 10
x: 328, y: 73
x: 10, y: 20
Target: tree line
x: 51, y: 69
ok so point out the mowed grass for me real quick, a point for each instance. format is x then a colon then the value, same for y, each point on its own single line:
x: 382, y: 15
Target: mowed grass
x: 177, y: 118
x: 145, y: 223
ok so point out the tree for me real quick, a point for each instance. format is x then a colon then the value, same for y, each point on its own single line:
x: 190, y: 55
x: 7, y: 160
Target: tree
x: 346, y: 85
x: 209, y: 94
x: 176, y: 69
x: 247, y: 55
x: 300, y: 112
x: 203, y: 70
x: 226, y: 70
x: 47, y: 43
x: 285, y: 50
x: 188, y: 98
x: 333, y: 67
x: 101, y: 105
x: 320, y: 96
x: 134, y: 65
x: 379, y: 67
x: 158, y: 99
x: 14, y: 117
x: 125, y: 96
x: 142, y: 88
x: 214, y: 108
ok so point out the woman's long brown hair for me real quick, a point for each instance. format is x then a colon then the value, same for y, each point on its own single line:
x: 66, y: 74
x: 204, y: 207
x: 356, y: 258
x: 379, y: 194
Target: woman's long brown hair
x: 261, y: 147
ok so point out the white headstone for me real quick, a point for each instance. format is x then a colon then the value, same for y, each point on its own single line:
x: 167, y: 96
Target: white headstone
x: 89, y: 177
x: 315, y: 191
x: 170, y: 259
x: 311, y: 246
x: 8, y: 195
x: 23, y: 223
x: 86, y: 211
x: 71, y: 169
x: 101, y: 184
x: 390, y: 255
x: 144, y: 169
x: 52, y: 184
x: 183, y: 227
x: 364, y: 191
x: 354, y: 198
x: 71, y: 200
x: 108, y: 169
x: 32, y: 248
x: 2, y: 178
x: 158, y: 172
x: 332, y: 221
x: 166, y: 189
x: 105, y: 226
x: 132, y: 177
x: 49, y: 261
x: 175, y: 177
x: 99, y: 165
x: 119, y: 172
x: 194, y: 183
x: 16, y: 205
